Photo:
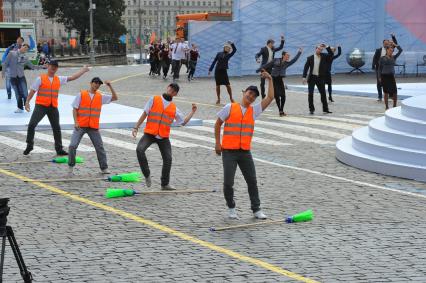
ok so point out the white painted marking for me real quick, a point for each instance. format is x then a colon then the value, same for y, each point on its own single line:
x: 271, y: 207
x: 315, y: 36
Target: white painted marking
x: 344, y: 120
x: 49, y: 138
x: 104, y: 67
x: 254, y: 139
x: 313, y: 121
x: 174, y: 142
x: 287, y: 135
x: 304, y: 129
x: 21, y: 145
x: 362, y: 116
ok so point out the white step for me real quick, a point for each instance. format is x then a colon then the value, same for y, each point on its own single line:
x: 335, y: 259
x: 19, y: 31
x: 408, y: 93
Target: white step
x: 350, y: 156
x: 397, y: 121
x: 414, y: 107
x: 361, y: 141
x: 379, y: 131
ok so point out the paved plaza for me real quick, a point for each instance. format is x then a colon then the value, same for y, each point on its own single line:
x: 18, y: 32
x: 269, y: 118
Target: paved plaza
x: 367, y: 227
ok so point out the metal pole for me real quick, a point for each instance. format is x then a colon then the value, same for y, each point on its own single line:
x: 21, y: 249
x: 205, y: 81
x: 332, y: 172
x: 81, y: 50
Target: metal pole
x: 92, y: 49
x: 140, y: 32
x: 220, y: 6
x: 12, y: 4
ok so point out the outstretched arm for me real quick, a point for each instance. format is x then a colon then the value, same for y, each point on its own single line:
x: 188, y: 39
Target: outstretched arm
x: 114, y: 94
x: 189, y: 116
x: 234, y: 49
x: 399, y: 51
x: 138, y: 124
x: 270, y: 97
x: 78, y: 74
x: 281, y: 44
x: 339, y: 52
x: 292, y: 61
x: 266, y: 66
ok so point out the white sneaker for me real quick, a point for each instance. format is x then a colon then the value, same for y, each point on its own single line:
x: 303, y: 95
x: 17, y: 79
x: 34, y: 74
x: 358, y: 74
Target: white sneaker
x: 148, y: 181
x: 105, y: 171
x: 70, y: 170
x: 260, y: 215
x: 19, y: 110
x: 232, y: 213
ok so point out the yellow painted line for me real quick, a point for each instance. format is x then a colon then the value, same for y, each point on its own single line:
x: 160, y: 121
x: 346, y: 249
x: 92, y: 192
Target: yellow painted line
x: 163, y: 228
x: 127, y: 77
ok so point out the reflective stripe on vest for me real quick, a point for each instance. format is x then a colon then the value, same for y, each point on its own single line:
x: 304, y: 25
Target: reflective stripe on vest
x: 47, y: 94
x: 238, y: 129
x: 89, y: 111
x: 159, y: 118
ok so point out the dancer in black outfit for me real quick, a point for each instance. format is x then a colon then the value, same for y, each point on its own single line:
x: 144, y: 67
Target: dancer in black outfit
x: 387, y: 74
x: 279, y: 67
x: 327, y: 79
x: 194, y: 54
x: 268, y: 54
x: 317, y: 66
x: 221, y: 71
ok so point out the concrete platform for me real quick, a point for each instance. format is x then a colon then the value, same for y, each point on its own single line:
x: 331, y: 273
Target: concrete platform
x: 114, y: 115
x: 405, y: 90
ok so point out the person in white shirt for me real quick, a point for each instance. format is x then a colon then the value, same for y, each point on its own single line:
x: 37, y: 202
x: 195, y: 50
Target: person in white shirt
x: 178, y: 53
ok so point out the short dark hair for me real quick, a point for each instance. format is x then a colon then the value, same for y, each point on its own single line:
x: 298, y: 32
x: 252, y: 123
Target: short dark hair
x: 25, y: 44
x: 270, y: 41
x: 174, y: 86
x: 283, y: 53
x: 53, y: 63
x: 254, y: 89
x: 20, y: 37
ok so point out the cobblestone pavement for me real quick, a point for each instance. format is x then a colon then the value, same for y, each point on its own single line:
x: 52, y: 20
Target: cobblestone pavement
x: 69, y: 232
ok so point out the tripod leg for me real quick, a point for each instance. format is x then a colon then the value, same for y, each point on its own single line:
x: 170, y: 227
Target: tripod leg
x: 26, y: 275
x: 3, y: 247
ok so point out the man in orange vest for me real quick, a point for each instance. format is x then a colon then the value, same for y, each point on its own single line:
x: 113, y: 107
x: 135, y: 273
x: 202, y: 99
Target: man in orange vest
x: 239, y: 119
x: 160, y: 112
x: 86, y: 111
x: 47, y: 88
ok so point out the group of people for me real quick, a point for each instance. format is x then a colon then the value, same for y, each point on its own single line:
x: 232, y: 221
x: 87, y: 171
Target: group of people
x: 175, y: 53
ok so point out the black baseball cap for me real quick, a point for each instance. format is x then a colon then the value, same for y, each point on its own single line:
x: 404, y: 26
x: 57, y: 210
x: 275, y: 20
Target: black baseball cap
x: 174, y: 86
x: 53, y: 63
x: 97, y: 80
x: 254, y: 89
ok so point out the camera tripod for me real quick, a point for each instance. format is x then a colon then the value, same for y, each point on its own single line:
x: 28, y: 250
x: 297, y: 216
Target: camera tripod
x: 6, y: 231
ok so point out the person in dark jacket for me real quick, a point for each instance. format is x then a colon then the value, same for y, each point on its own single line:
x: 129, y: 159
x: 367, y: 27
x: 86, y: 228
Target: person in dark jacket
x: 221, y: 71
x: 267, y: 53
x: 380, y: 52
x: 387, y: 74
x: 317, y: 66
x: 278, y: 69
x: 327, y: 79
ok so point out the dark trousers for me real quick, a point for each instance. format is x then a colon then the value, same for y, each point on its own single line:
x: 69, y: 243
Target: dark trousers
x: 8, y: 87
x: 53, y: 116
x: 96, y: 139
x: 279, y: 91
x: 192, y: 65
x: 166, y: 153
x: 319, y: 82
x: 262, y: 84
x: 176, y: 64
x: 165, y: 64
x: 244, y: 160
x: 19, y: 85
x: 379, y: 85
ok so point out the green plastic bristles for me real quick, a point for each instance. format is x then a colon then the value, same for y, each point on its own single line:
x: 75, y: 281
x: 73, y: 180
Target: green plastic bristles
x: 304, y: 216
x: 128, y: 177
x: 118, y: 193
x: 64, y: 159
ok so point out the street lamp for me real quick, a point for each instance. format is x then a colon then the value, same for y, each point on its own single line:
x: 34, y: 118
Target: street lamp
x: 92, y: 49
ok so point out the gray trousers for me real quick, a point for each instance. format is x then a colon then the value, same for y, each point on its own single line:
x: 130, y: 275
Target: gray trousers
x: 166, y: 153
x: 96, y: 139
x: 244, y: 160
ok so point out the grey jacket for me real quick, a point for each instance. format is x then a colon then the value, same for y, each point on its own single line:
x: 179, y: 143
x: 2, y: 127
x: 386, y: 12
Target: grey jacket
x: 15, y: 63
x: 387, y: 64
x: 279, y: 66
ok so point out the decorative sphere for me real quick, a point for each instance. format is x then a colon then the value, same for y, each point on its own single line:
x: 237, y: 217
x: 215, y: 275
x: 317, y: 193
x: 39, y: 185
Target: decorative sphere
x: 356, y: 58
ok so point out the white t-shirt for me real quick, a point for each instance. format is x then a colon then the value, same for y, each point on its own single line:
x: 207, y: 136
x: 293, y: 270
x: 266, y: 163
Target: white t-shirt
x: 178, y: 50
x: 106, y: 99
x: 383, y: 53
x: 179, y: 117
x: 37, y: 83
x: 317, y: 61
x: 270, y: 54
x: 224, y: 113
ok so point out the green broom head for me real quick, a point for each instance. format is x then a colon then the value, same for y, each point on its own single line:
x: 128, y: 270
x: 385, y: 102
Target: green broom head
x: 304, y: 216
x: 132, y: 177
x: 64, y: 159
x: 119, y: 193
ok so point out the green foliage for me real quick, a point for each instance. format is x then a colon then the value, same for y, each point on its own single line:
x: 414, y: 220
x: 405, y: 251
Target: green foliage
x: 74, y: 14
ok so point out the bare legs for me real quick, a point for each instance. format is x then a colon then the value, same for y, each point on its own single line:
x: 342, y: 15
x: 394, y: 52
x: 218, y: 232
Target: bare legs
x: 228, y: 88
x: 394, y: 98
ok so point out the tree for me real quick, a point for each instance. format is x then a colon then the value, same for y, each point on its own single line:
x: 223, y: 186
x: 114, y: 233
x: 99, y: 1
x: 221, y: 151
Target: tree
x: 74, y: 14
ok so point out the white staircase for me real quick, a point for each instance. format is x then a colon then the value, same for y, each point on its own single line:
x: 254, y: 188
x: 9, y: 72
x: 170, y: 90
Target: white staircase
x: 391, y: 145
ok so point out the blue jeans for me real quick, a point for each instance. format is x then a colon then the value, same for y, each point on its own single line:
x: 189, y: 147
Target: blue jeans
x: 8, y: 87
x: 21, y: 91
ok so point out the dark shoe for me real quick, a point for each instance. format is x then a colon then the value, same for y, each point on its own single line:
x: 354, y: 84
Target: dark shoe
x: 311, y: 112
x: 327, y: 112
x: 61, y: 152
x: 331, y: 99
x: 28, y: 149
x: 379, y: 100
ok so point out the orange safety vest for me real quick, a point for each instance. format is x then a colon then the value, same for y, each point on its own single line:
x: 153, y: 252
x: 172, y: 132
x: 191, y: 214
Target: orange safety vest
x: 47, y: 94
x: 159, y: 118
x: 238, y: 130
x: 89, y: 111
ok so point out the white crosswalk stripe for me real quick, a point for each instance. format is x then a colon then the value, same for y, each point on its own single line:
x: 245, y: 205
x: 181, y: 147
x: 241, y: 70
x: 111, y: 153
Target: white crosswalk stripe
x: 174, y: 142
x: 314, y: 121
x: 49, y: 138
x: 362, y: 116
x: 338, y: 119
x: 287, y: 135
x: 11, y: 142
x: 255, y: 139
